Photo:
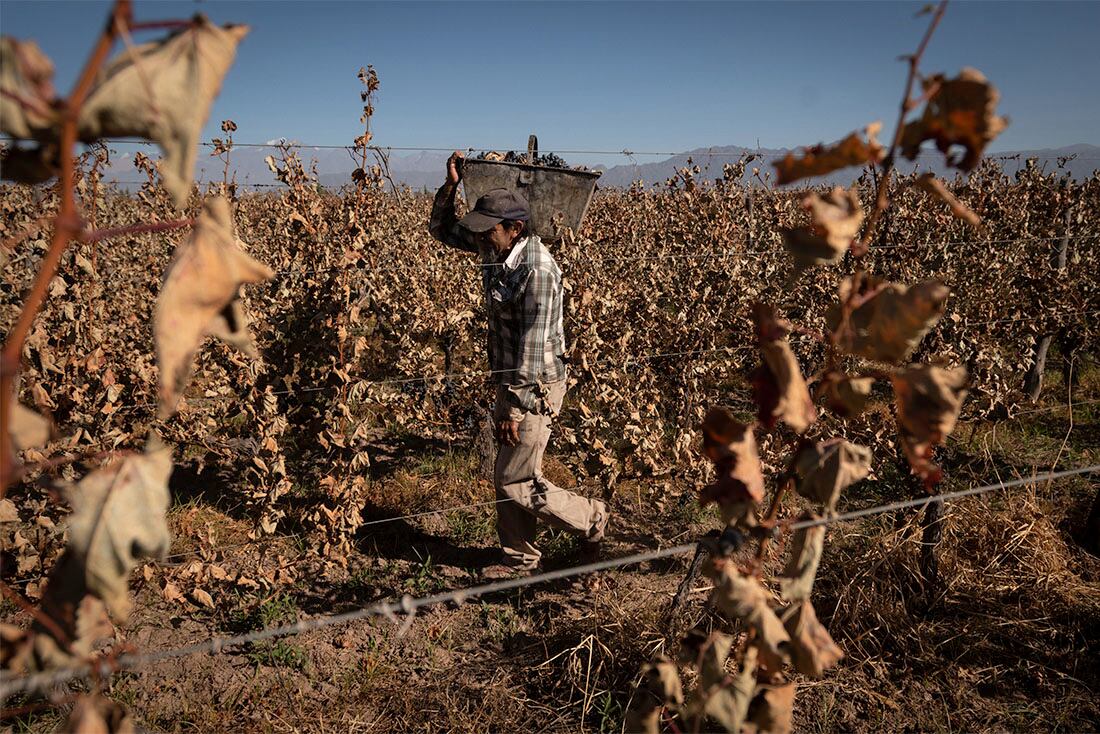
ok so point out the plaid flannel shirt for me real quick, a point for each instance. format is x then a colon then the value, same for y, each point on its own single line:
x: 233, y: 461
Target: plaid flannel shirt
x: 523, y: 298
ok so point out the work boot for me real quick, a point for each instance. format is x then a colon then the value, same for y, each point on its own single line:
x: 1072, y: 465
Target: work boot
x: 501, y: 571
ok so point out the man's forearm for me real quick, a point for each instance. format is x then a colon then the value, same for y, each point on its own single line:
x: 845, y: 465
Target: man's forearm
x: 443, y: 224
x: 443, y: 211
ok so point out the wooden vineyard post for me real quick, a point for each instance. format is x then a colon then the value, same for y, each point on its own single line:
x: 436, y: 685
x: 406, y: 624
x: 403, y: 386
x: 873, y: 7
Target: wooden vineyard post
x: 1033, y: 382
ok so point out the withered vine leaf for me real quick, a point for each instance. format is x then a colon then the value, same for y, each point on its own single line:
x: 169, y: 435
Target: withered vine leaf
x: 728, y: 703
x: 79, y: 620
x: 812, y: 648
x: 797, y: 580
x: 890, y: 319
x: 95, y: 714
x: 731, y: 445
x: 26, y: 90
x: 778, y: 386
x: 200, y: 297
x: 826, y: 469
x: 772, y: 709
x: 28, y: 428
x: 834, y: 223
x: 118, y: 518
x: 960, y: 111
x: 742, y: 597
x: 844, y: 394
x: 184, y: 73
x: 928, y: 400
x: 928, y: 182
x: 819, y: 160
x: 659, y: 687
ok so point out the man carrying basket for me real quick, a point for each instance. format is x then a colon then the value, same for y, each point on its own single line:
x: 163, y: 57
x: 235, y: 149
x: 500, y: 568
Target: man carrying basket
x: 523, y: 299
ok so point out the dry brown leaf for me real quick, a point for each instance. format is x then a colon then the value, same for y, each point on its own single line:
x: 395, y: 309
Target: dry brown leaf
x: 185, y: 72
x: 79, y: 618
x: 15, y: 649
x: 890, y: 319
x: 731, y: 445
x: 772, y: 708
x: 170, y: 591
x: 729, y: 706
x: 26, y: 90
x: 798, y: 576
x: 200, y: 297
x: 660, y: 686
x: 742, y: 597
x: 812, y: 648
x: 8, y: 511
x: 961, y: 111
x: 819, y: 160
x: 28, y: 428
x: 94, y: 714
x: 118, y: 518
x: 202, y: 598
x: 778, y: 386
x: 929, y: 183
x: 845, y: 395
x: 928, y: 400
x: 723, y: 698
x: 834, y: 224
x: 827, y: 468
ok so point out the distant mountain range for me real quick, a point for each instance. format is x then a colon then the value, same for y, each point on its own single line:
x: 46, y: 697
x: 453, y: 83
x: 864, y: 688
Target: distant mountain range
x: 425, y: 170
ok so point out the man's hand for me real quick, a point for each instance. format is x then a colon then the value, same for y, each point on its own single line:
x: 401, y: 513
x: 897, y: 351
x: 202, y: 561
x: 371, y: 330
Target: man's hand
x: 454, y: 175
x: 508, y: 432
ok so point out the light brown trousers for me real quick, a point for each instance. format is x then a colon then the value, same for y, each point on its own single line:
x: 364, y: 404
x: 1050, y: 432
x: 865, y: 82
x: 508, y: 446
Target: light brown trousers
x: 531, y: 497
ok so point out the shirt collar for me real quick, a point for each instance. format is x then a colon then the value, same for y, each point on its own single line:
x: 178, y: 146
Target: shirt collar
x: 512, y: 261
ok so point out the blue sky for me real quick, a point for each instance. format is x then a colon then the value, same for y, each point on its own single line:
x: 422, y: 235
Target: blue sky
x: 644, y: 76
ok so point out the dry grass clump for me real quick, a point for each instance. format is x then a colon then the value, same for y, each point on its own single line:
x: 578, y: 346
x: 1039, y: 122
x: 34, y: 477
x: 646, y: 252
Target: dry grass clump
x: 1002, y: 640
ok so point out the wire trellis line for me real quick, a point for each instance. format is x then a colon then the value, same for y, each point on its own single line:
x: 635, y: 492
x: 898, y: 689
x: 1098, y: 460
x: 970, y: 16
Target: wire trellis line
x: 410, y: 605
x: 598, y: 364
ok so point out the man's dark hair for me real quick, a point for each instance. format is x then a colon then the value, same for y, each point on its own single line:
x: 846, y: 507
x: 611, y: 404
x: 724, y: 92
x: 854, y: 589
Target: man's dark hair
x: 509, y: 222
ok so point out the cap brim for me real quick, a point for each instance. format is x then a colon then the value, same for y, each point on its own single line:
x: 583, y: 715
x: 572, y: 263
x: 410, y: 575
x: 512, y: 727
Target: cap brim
x: 478, y: 222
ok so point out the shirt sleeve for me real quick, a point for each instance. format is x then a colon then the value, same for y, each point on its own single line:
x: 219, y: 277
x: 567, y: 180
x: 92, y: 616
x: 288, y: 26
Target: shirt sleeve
x: 534, y: 334
x: 443, y: 224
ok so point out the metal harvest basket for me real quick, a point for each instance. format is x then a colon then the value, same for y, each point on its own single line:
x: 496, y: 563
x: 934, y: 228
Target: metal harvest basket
x: 559, y: 197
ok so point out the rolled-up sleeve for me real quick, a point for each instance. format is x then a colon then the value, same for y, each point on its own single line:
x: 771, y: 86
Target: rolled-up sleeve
x: 443, y: 223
